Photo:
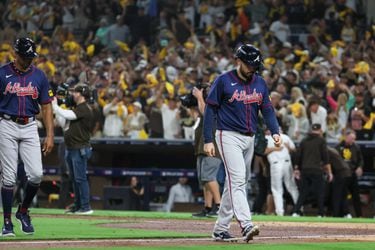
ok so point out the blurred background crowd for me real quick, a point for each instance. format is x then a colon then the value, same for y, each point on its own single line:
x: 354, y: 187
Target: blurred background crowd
x: 140, y: 56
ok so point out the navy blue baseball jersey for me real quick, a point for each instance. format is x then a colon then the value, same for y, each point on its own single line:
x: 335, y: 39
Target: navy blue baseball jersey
x: 21, y: 92
x: 239, y: 103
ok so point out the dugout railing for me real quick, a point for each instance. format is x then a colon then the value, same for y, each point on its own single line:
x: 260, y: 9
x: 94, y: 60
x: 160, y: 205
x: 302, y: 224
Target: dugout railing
x: 157, y: 162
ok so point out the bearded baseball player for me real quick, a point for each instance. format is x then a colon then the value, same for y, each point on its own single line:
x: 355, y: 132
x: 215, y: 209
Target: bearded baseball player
x: 235, y: 99
x: 23, y: 88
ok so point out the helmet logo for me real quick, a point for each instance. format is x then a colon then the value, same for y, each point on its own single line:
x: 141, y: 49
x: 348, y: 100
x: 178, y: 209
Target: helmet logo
x: 257, y: 59
x: 30, y: 49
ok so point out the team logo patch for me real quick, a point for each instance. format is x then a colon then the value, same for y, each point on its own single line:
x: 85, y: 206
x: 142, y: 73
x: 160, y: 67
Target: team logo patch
x: 347, y: 154
x: 50, y: 93
x: 241, y: 96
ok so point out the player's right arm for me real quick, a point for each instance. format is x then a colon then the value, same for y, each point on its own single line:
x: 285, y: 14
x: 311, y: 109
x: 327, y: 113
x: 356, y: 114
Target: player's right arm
x: 212, y: 103
x: 208, y: 120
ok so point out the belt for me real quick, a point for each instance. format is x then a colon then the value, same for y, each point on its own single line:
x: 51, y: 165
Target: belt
x: 247, y: 134
x: 278, y: 162
x: 23, y: 120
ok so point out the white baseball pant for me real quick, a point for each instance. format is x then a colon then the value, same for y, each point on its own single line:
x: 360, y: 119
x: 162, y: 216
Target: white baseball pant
x: 282, y: 172
x: 20, y: 140
x: 236, y: 151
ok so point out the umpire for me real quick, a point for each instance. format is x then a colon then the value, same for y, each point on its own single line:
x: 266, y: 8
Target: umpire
x: 77, y: 124
x: 312, y: 154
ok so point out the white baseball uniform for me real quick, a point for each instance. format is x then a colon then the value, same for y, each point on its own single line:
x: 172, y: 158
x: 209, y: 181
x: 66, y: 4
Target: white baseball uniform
x: 281, y: 172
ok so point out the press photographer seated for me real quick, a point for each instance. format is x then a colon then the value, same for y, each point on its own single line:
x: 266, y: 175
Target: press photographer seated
x: 77, y: 124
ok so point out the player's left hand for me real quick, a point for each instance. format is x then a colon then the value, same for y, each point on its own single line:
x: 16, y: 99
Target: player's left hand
x: 277, y: 140
x: 209, y: 149
x: 47, y: 145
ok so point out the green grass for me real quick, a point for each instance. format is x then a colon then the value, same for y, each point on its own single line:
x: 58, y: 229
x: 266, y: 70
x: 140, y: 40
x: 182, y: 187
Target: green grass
x: 76, y: 228
x: 57, y: 226
x: 230, y: 246
x: 163, y: 215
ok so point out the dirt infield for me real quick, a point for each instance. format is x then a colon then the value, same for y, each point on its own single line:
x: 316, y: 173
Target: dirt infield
x: 270, y: 232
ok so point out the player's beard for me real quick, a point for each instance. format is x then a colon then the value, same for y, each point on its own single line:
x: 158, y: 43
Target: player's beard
x: 247, y: 74
x: 24, y: 63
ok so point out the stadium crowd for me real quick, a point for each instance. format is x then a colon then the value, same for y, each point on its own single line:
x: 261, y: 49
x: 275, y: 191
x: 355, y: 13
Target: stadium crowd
x: 140, y: 56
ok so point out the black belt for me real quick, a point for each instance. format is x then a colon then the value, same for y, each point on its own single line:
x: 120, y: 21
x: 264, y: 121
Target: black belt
x: 23, y: 120
x: 247, y: 134
x: 278, y: 162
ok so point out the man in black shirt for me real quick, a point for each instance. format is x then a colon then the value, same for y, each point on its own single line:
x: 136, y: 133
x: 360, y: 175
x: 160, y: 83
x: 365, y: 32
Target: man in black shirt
x: 351, y: 153
x: 78, y: 124
x: 207, y: 166
x: 342, y: 173
x: 311, y: 163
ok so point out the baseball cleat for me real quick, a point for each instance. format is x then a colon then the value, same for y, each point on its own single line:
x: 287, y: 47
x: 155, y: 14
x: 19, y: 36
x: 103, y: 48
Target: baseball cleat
x: 84, y: 211
x: 71, y: 210
x: 249, y: 233
x: 201, y: 214
x: 25, y: 221
x: 224, y: 236
x: 7, y: 230
x: 214, y: 212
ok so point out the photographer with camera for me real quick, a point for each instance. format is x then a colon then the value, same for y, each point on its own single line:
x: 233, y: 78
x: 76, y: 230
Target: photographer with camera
x: 77, y: 124
x: 207, y: 166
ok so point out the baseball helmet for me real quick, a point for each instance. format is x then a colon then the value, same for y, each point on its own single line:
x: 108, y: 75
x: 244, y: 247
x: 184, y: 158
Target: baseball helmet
x: 249, y: 55
x: 84, y: 89
x: 25, y: 47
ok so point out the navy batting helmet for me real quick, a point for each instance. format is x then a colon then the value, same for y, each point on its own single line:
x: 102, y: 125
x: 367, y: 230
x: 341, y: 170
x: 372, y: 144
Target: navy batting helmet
x: 25, y: 47
x: 249, y: 55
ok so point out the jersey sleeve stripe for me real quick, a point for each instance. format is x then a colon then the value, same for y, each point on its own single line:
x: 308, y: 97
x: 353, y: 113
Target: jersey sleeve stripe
x: 211, y: 102
x: 47, y: 101
x: 266, y: 105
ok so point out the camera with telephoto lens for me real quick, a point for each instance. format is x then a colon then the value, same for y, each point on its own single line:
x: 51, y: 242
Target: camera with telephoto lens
x: 189, y: 100
x: 64, y: 96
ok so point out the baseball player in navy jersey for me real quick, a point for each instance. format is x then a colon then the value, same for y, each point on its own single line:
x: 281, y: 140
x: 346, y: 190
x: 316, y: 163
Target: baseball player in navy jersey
x: 235, y: 99
x: 23, y: 87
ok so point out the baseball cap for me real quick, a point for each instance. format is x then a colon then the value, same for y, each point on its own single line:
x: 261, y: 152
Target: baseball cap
x: 83, y: 89
x: 137, y: 104
x: 287, y: 45
x: 316, y: 126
